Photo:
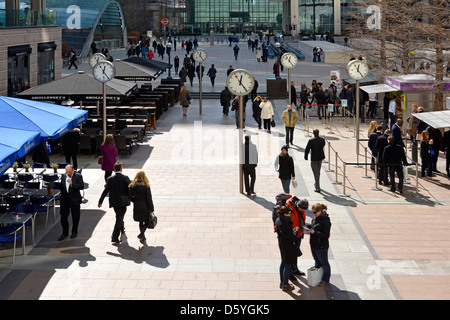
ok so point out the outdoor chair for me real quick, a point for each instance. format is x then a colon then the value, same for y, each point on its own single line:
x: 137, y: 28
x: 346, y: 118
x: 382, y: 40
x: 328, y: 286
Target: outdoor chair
x: 10, y: 234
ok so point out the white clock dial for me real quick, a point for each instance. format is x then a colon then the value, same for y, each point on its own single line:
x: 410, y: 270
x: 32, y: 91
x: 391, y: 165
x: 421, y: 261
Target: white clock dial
x: 104, y: 71
x: 289, y: 60
x: 240, y: 82
x: 200, y: 55
x: 95, y: 58
x: 357, y: 69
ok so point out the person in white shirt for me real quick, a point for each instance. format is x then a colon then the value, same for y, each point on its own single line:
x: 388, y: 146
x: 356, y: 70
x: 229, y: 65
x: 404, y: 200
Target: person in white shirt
x: 266, y: 113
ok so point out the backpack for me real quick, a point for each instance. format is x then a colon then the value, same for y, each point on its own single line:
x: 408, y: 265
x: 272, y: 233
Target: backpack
x: 298, y: 206
x: 343, y: 94
x: 235, y: 104
x: 280, y: 201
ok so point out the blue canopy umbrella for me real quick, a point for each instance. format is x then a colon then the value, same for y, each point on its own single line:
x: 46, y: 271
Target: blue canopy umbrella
x: 14, y: 144
x: 50, y: 120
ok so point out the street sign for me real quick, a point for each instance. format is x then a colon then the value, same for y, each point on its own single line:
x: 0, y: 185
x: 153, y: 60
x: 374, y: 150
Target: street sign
x: 165, y: 21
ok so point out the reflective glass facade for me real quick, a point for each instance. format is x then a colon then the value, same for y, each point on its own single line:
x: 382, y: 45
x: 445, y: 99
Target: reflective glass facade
x: 80, y: 18
x: 234, y: 16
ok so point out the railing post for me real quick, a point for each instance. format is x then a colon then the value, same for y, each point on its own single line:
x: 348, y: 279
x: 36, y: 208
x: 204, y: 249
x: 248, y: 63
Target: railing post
x: 343, y: 194
x: 329, y: 158
x: 366, y: 176
x: 376, y: 188
x: 416, y: 193
x: 336, y: 170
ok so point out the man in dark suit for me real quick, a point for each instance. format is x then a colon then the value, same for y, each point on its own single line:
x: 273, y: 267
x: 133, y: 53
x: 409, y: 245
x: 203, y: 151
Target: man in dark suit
x: 117, y: 188
x: 316, y: 145
x: 394, y: 157
x: 71, y: 184
x: 382, y: 169
x: 397, y: 132
x: 372, y: 141
x: 249, y: 164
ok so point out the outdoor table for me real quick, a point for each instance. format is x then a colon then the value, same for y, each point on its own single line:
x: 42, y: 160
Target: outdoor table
x: 12, y: 218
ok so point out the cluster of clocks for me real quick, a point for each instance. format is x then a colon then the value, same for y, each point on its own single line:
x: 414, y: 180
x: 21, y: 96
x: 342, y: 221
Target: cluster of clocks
x: 102, y: 70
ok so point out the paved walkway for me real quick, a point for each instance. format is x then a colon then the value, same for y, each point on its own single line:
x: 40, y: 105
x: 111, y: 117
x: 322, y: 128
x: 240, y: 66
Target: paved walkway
x: 213, y: 243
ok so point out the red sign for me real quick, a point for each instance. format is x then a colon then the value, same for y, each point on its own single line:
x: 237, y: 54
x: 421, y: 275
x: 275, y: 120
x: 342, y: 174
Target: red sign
x: 165, y: 21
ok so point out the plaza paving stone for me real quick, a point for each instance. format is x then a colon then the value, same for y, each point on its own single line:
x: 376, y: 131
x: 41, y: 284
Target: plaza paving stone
x: 213, y: 243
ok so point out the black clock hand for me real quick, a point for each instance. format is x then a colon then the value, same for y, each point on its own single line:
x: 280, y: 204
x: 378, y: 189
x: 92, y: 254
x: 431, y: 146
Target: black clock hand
x: 240, y: 83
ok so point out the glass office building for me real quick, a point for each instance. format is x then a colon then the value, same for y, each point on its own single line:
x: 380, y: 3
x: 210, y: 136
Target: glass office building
x: 234, y: 16
x: 85, y: 21
x: 326, y: 16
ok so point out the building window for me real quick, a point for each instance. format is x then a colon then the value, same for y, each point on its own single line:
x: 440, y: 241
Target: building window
x: 18, y: 69
x: 46, y: 62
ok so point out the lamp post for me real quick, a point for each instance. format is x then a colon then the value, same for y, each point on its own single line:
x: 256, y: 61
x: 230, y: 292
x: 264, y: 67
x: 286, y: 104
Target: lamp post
x: 278, y: 45
x: 168, y: 49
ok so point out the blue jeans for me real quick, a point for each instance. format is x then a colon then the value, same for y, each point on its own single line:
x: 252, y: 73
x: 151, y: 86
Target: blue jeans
x: 321, y: 260
x: 286, y: 185
x: 285, y: 272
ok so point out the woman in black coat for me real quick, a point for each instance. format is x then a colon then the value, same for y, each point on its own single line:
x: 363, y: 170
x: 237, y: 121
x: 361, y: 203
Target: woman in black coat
x: 320, y: 232
x: 286, y: 244
x: 257, y: 111
x: 425, y: 155
x: 141, y: 196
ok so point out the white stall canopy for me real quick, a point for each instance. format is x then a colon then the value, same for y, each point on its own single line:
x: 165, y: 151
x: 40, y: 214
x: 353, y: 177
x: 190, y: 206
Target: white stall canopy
x: 378, y: 88
x: 435, y: 119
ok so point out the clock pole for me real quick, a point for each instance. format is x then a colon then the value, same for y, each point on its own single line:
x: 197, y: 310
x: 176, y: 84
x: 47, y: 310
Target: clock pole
x: 357, y: 120
x: 200, y: 80
x: 241, y: 143
x: 104, y: 111
x: 289, y: 86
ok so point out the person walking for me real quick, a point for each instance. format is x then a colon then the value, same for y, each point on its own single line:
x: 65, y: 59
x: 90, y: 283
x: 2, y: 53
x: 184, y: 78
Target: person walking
x: 73, y: 60
x: 70, y: 201
x: 267, y: 114
x: 258, y: 54
x: 319, y: 229
x: 212, y: 74
x: 293, y: 95
x: 436, y: 136
x: 286, y: 245
x: 257, y: 111
x: 235, y: 105
x: 183, y: 74
x: 200, y: 72
x: 236, y: 51
x: 141, y: 196
x: 321, y: 102
x: 276, y: 69
x: 316, y: 145
x: 109, y: 155
x: 185, y: 99
x: 225, y: 99
x: 284, y: 165
x: 249, y: 164
x: 71, y: 146
x: 290, y: 118
x: 191, y: 73
x: 425, y: 155
x: 176, y: 63
x: 394, y: 157
x: 117, y: 188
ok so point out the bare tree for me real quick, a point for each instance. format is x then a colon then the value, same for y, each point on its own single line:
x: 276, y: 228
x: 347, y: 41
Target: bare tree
x: 404, y: 36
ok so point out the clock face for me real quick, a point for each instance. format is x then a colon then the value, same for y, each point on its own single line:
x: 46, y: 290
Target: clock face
x: 289, y: 60
x: 200, y: 55
x: 104, y: 71
x: 95, y: 58
x: 357, y: 69
x: 240, y: 82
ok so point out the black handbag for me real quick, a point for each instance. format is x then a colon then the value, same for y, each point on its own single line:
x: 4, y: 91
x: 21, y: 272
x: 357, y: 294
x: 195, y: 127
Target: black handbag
x: 272, y: 123
x: 152, y: 221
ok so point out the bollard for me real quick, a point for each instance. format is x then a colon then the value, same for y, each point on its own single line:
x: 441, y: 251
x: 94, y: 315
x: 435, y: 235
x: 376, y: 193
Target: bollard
x: 336, y: 171
x: 376, y: 188
x: 343, y: 194
x: 366, y: 176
